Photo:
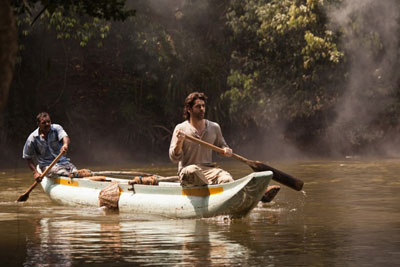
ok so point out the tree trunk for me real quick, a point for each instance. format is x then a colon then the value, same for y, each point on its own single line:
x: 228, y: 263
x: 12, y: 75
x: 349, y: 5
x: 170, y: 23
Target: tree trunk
x: 8, y: 49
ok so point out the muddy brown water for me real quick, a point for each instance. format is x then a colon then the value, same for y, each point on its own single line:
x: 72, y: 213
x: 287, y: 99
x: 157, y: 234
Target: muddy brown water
x: 347, y: 215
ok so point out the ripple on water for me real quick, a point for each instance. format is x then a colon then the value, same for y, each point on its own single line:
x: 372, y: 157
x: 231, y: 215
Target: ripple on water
x: 346, y: 216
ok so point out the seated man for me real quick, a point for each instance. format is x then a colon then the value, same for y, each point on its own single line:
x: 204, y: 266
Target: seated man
x: 194, y: 161
x: 45, y: 144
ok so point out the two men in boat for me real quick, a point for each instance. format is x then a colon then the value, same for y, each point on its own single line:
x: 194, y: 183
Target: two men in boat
x: 195, y: 165
x: 45, y: 144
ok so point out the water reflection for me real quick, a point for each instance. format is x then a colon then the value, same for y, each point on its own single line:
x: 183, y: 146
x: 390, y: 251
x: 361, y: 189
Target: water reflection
x: 110, y: 239
x: 71, y: 241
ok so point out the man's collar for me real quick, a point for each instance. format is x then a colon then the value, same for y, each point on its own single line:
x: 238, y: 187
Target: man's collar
x: 37, y: 131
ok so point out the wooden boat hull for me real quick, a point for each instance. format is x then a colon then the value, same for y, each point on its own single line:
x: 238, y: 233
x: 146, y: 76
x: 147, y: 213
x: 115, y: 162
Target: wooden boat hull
x: 235, y: 199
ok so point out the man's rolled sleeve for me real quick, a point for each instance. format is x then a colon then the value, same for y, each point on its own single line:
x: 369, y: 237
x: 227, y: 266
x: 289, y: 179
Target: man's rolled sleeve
x: 174, y: 158
x: 60, y: 131
x: 28, y: 150
x: 220, y: 141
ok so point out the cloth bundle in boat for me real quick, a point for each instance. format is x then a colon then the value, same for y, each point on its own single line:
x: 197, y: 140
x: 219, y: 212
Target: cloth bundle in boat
x: 80, y: 173
x: 109, y: 196
x: 149, y: 180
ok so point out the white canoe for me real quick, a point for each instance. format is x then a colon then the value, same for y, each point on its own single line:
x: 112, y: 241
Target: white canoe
x: 168, y: 199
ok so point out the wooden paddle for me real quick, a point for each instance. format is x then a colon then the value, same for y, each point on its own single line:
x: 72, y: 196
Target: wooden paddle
x: 257, y: 166
x: 25, y: 196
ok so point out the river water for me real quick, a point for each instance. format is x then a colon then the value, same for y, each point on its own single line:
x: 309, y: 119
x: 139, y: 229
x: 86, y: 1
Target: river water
x: 347, y: 215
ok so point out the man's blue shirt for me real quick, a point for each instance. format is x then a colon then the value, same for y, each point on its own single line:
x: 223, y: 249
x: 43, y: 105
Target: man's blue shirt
x: 44, y: 150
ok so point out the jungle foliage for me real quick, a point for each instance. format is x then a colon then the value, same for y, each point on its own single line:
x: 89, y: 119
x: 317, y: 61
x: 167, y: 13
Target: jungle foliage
x: 275, y: 71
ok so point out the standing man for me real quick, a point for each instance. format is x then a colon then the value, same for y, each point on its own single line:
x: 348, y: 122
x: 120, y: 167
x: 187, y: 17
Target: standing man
x: 195, y: 165
x: 45, y: 144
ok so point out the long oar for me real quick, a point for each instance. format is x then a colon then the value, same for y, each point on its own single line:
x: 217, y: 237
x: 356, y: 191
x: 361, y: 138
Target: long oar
x: 257, y: 166
x: 25, y: 195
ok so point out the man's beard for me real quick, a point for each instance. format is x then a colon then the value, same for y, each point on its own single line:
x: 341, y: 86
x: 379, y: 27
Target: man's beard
x: 198, y: 116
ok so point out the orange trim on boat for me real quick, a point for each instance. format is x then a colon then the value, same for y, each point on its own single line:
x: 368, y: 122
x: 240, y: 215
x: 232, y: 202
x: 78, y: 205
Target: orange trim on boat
x: 201, y: 192
x: 68, y: 181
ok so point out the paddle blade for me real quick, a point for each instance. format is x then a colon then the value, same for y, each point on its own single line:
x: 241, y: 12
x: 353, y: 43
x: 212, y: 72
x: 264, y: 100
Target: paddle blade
x: 278, y: 176
x: 23, y: 198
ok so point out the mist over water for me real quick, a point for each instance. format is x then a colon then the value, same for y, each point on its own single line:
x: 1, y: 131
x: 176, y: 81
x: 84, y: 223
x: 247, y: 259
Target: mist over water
x: 370, y: 41
x: 369, y: 38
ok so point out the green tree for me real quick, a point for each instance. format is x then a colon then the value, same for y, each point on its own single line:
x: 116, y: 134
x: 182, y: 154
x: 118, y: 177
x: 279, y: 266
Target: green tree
x: 283, y: 65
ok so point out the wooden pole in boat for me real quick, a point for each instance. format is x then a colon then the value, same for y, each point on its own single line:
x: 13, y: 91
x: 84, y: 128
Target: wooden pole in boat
x: 25, y: 196
x: 279, y: 176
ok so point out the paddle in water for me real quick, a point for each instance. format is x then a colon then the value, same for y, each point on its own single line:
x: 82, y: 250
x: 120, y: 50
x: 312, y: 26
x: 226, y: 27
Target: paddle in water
x: 25, y: 196
x: 257, y: 166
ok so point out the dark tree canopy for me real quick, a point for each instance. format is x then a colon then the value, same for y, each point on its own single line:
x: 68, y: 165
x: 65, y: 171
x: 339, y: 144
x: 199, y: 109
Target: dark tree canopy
x: 283, y: 77
x: 103, y: 9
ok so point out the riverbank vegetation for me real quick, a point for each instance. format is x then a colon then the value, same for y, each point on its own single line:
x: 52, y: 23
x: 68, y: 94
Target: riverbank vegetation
x: 284, y: 78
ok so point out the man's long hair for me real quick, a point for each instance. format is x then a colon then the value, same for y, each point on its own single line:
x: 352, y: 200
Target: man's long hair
x: 189, y: 102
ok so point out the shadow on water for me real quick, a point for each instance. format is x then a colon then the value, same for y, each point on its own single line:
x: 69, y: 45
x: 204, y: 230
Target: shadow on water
x: 348, y: 215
